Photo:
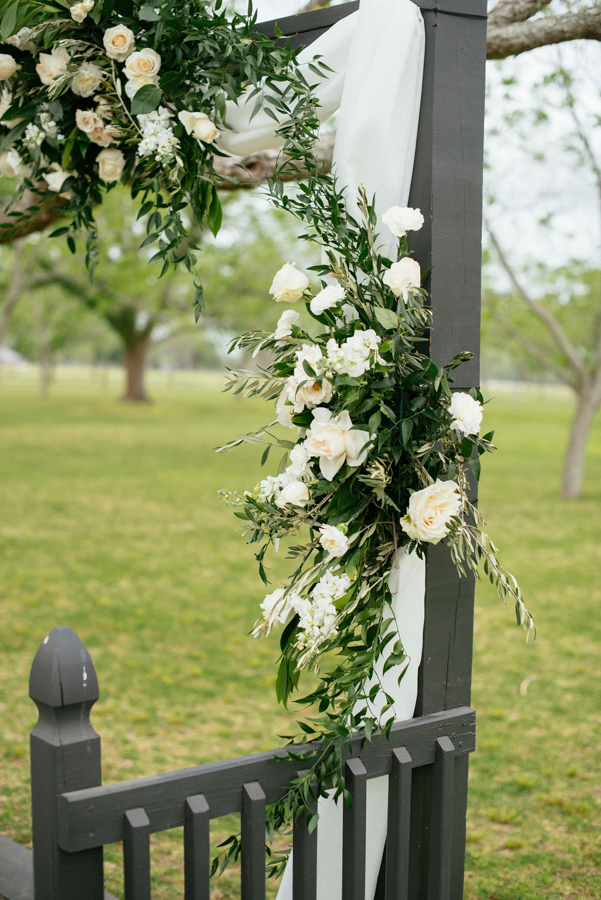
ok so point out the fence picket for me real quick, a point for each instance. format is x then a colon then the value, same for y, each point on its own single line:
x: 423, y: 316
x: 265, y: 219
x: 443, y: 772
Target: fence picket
x: 354, y: 832
x: 136, y: 855
x: 197, y: 850
x: 304, y: 860
x: 399, y: 826
x: 253, y: 841
x: 439, y: 887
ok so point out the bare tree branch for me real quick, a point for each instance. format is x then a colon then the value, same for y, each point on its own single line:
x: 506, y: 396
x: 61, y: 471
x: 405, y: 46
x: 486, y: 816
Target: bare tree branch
x: 559, y: 336
x: 519, y: 37
x: 506, y: 12
x: 258, y: 168
x: 42, y: 218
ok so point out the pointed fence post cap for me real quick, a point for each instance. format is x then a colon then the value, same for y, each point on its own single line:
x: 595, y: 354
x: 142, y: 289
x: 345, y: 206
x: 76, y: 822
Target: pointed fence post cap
x: 63, y: 673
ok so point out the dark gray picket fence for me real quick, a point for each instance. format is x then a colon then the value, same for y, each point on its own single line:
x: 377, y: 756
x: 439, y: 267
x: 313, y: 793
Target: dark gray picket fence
x: 427, y: 757
x: 74, y: 815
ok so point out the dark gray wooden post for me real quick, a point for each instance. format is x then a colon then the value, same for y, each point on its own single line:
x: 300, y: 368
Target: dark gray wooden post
x: 447, y: 186
x: 65, y: 756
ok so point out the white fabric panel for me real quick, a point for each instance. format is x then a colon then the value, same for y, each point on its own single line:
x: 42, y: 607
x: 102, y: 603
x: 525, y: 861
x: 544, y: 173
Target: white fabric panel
x: 377, y: 55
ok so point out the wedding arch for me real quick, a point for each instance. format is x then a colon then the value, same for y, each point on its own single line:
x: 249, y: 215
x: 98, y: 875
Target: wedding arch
x: 421, y: 763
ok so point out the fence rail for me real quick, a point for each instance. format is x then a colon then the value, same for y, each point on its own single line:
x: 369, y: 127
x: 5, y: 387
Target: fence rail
x: 74, y: 815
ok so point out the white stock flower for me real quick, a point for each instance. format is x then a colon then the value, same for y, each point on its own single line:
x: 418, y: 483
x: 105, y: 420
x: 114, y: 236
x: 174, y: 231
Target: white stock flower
x: 284, y: 409
x: 110, y: 165
x: 333, y: 540
x: 8, y: 66
x: 55, y: 178
x: 300, y: 466
x: 333, y: 442
x: 402, y: 276
x: 198, y: 125
x: 23, y: 40
x: 328, y: 297
x: 354, y: 356
x: 86, y: 80
x: 274, y: 610
x: 430, y: 512
x: 12, y: 166
x: 157, y: 135
x: 295, y: 493
x: 119, y: 42
x: 271, y: 486
x: 289, y: 284
x: 79, y: 11
x: 284, y: 327
x: 466, y: 413
x: 146, y: 62
x: 52, y: 65
x: 401, y: 219
x: 303, y: 390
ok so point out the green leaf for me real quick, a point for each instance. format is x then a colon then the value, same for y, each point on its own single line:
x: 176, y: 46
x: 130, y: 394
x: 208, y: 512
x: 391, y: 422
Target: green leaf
x: 9, y: 20
x: 148, y: 14
x: 406, y: 429
x: 146, y: 100
x: 68, y: 149
x: 475, y: 466
x: 387, y: 318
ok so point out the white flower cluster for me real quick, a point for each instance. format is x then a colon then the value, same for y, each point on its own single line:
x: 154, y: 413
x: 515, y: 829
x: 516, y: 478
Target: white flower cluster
x: 356, y: 355
x: 317, y: 613
x: 158, y: 138
x: 23, y: 40
x: 301, y: 389
x: 35, y: 135
x: 289, y: 487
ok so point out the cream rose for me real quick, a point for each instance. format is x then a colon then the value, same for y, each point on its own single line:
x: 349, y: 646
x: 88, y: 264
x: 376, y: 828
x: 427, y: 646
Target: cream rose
x: 284, y: 327
x: 333, y: 540
x: 11, y: 165
x: 52, y: 65
x: 334, y: 443
x: 430, y: 512
x: 198, y: 125
x: 55, y: 178
x: 133, y: 85
x: 330, y: 296
x: 310, y: 393
x: 86, y: 120
x: 119, y: 42
x: 401, y: 219
x: 466, y: 413
x: 142, y: 62
x: 295, y: 493
x: 79, y: 11
x: 8, y: 66
x: 86, y: 80
x: 402, y: 276
x: 289, y: 284
x: 110, y: 165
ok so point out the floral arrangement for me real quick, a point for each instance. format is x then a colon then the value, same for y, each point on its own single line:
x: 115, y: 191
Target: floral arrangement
x: 102, y: 91
x: 380, y: 465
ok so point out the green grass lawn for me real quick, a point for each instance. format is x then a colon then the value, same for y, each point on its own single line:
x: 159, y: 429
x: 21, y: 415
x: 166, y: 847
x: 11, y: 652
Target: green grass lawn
x: 110, y: 523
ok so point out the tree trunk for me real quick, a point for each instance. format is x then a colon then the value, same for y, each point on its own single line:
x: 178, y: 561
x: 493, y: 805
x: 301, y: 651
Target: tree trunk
x: 46, y: 364
x: 573, y: 472
x: 134, y: 360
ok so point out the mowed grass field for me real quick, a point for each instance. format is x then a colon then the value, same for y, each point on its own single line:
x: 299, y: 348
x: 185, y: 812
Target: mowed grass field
x: 110, y: 523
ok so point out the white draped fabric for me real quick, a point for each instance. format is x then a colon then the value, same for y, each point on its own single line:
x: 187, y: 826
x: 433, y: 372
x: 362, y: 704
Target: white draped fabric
x: 377, y: 59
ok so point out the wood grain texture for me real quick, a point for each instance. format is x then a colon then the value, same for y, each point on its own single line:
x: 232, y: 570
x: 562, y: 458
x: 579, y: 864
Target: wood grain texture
x: 253, y: 842
x: 354, y: 831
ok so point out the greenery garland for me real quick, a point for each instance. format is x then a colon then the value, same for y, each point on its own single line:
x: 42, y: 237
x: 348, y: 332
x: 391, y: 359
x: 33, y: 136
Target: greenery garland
x: 385, y: 450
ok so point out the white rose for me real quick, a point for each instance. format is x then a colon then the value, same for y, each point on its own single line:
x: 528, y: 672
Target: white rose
x: 334, y: 443
x: 284, y: 327
x: 274, y: 610
x: 52, y: 65
x: 198, y: 125
x: 310, y: 394
x: 466, y: 413
x: 142, y: 62
x: 8, y: 66
x: 430, y: 512
x: 401, y: 219
x: 6, y: 101
x: 295, y: 493
x: 333, y: 540
x: 110, y: 165
x: 86, y: 80
x: 289, y: 284
x: 79, y: 11
x: 403, y: 275
x: 11, y: 165
x: 133, y: 85
x: 284, y: 409
x: 86, y: 120
x: 55, y: 178
x: 119, y: 42
x: 103, y: 135
x: 328, y: 297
